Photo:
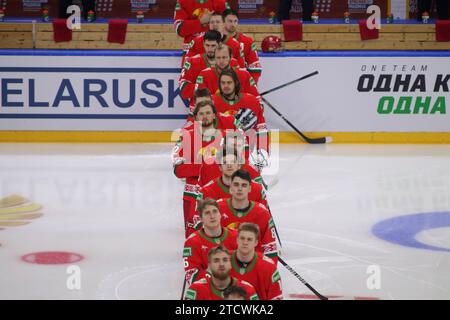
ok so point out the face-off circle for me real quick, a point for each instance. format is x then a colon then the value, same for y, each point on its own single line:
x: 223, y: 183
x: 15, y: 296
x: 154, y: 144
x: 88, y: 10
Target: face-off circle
x: 52, y: 257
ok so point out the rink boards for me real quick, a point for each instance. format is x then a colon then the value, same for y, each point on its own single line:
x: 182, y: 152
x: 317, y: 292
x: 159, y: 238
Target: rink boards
x: 102, y: 96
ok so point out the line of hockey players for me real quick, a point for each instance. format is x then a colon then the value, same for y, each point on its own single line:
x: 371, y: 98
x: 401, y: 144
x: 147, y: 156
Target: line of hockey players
x: 230, y: 249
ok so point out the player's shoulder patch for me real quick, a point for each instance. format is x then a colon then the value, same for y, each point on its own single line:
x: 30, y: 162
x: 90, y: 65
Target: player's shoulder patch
x: 190, y: 294
x: 262, y: 206
x: 254, y: 297
x: 202, y: 281
x: 266, y: 258
x: 246, y: 283
x: 187, y: 252
x: 208, y: 184
x: 187, y: 65
x: 178, y: 6
x: 275, y: 276
x: 254, y: 48
x: 199, y: 80
x: 252, y: 82
x: 192, y: 235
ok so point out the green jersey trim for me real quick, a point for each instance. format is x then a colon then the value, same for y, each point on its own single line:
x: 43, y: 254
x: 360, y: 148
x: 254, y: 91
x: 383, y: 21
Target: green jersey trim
x: 240, y: 214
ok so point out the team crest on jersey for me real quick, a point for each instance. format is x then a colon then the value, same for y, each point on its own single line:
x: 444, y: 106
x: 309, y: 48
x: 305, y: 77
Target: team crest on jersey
x: 199, y: 11
x: 199, y: 79
x: 187, y: 252
x: 233, y: 225
x: 204, y: 248
x: 229, y: 112
x: 191, y: 294
x: 275, y: 276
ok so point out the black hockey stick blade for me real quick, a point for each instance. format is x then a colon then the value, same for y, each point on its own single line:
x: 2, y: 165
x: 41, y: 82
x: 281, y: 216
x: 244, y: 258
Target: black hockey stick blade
x: 307, y: 139
x: 289, y: 83
x: 321, y: 297
x: 184, y: 288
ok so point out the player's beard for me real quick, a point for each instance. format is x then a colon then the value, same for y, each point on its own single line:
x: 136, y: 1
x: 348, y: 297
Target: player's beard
x: 210, y: 55
x: 220, y: 275
x: 229, y: 96
x: 206, y: 123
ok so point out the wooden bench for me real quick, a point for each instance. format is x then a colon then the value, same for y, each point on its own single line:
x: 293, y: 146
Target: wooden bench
x: 163, y: 37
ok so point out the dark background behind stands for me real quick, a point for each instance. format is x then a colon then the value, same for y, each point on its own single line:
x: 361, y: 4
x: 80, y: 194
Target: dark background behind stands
x: 165, y: 9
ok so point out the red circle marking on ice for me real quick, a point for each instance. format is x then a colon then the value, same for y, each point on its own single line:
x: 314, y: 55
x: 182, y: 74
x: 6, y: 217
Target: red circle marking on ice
x: 52, y: 257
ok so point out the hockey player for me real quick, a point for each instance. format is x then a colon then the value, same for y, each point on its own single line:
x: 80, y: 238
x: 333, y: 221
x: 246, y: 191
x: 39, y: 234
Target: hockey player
x: 219, y: 188
x: 199, y: 95
x: 235, y: 142
x: 216, y: 23
x: 212, y: 234
x: 231, y: 101
x: 209, y: 77
x: 248, y: 46
x: 212, y: 288
x: 239, y: 209
x: 194, y: 65
x: 248, y: 265
x: 192, y: 17
x: 234, y: 293
x: 197, y: 144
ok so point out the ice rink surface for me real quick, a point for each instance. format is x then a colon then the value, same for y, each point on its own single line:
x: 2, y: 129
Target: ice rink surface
x: 364, y: 221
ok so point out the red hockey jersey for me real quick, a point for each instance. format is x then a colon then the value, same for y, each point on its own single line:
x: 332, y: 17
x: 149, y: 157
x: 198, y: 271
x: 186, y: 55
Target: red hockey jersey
x: 258, y: 214
x: 196, y: 47
x: 191, y: 69
x: 196, y: 248
x: 216, y: 190
x: 187, y: 156
x: 209, y: 78
x: 204, y: 290
x: 186, y: 17
x: 209, y: 172
x: 243, y: 100
x: 262, y: 274
x: 248, y: 47
x: 259, y: 137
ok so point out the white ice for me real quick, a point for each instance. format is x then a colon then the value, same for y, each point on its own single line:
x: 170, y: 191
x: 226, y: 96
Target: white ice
x: 119, y: 205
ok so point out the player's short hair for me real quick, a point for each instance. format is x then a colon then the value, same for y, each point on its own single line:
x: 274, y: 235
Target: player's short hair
x: 229, y: 12
x: 217, y: 250
x: 220, y: 158
x: 201, y: 206
x: 212, y: 35
x: 251, y: 227
x: 202, y: 93
x: 243, y: 174
x: 231, y: 73
x: 235, y: 290
x: 217, y: 14
x: 222, y: 46
x: 203, y: 104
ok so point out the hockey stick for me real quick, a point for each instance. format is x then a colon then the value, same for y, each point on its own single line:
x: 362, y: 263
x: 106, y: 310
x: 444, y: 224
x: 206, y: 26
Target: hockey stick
x: 184, y: 288
x: 321, y: 297
x: 308, y: 140
x: 273, y: 220
x: 289, y: 83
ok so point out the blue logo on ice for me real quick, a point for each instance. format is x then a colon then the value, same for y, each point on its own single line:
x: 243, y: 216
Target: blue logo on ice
x: 403, y: 230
